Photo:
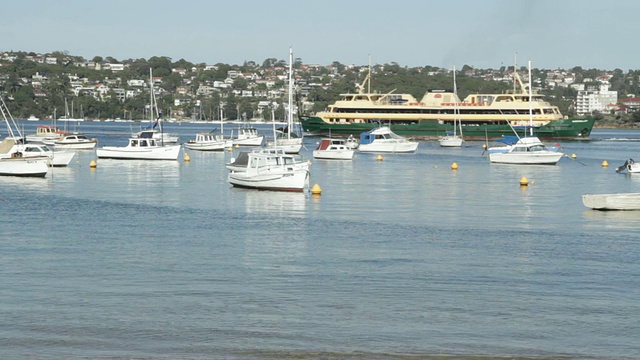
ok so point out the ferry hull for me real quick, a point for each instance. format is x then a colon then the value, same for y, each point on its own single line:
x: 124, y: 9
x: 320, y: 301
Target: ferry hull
x: 567, y: 129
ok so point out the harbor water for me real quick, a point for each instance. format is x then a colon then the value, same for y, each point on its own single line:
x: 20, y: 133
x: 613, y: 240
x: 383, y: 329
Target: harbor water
x: 398, y: 258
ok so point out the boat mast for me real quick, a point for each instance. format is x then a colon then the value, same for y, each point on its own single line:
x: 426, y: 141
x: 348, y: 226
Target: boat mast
x: 290, y: 114
x: 456, y: 111
x: 530, y: 104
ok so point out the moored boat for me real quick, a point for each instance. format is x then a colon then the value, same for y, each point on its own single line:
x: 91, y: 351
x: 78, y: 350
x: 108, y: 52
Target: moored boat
x: 333, y: 149
x: 527, y: 151
x: 248, y: 136
x: 208, y: 142
x: 56, y: 158
x: 140, y: 149
x: 73, y: 141
x: 45, y: 133
x: 619, y: 201
x: 13, y: 162
x: 271, y: 171
x: 384, y: 140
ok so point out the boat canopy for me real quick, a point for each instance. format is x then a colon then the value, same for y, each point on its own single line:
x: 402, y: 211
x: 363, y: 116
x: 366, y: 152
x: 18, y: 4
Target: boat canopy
x: 508, y: 139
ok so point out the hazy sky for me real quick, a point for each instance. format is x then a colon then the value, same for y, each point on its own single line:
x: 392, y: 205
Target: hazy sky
x: 481, y: 33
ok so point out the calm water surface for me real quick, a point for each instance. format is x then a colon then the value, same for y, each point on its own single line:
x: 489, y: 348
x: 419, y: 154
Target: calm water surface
x: 399, y: 258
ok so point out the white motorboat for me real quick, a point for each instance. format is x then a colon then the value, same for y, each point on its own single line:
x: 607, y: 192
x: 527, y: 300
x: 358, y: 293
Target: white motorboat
x: 13, y: 162
x: 271, y: 171
x: 208, y: 142
x: 248, y: 136
x: 240, y: 162
x: 45, y: 132
x: 140, y: 149
x: 527, y: 151
x: 57, y: 158
x: 383, y: 139
x: 620, y: 201
x: 333, y: 149
x: 74, y: 141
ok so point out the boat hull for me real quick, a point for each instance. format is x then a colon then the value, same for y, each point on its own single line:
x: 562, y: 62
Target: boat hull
x: 543, y: 158
x: 622, y: 201
x: 127, y: 153
x: 568, y: 129
x: 36, y: 166
x: 210, y: 146
x: 333, y: 154
x: 292, y: 181
x: 451, y: 141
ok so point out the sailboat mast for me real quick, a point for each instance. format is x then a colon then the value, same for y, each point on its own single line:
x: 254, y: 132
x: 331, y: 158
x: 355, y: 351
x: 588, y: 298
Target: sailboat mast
x: 530, y: 103
x: 455, y: 109
x: 151, y: 95
x: 290, y: 114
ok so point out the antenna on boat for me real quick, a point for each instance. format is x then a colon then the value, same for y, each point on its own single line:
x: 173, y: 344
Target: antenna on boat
x: 530, y: 104
x: 290, y: 114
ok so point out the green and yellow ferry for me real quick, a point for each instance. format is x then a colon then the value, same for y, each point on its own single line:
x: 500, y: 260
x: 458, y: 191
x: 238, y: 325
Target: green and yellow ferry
x: 481, y: 115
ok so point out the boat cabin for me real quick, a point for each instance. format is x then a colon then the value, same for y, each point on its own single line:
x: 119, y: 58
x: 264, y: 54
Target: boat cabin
x: 332, y: 144
x: 206, y: 137
x: 44, y: 130
x: 141, y: 142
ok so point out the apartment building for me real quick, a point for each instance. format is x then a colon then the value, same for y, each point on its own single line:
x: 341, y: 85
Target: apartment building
x: 595, y: 99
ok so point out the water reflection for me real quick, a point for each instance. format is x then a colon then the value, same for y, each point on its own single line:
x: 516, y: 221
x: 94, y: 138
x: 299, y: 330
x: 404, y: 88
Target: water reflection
x: 276, y: 203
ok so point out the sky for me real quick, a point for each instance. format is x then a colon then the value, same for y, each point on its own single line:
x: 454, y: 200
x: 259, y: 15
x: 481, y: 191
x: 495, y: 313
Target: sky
x: 552, y: 34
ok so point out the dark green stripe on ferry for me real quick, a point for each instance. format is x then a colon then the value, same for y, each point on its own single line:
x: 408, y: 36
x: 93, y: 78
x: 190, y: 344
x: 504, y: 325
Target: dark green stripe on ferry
x: 567, y: 129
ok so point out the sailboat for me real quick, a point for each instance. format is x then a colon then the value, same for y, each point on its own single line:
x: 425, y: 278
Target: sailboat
x: 143, y: 148
x: 289, y: 142
x: 454, y: 140
x: 155, y: 129
x: 528, y: 150
x: 13, y: 160
x: 71, y: 140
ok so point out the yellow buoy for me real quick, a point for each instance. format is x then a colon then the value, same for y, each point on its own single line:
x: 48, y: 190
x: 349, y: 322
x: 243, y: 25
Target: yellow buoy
x: 379, y: 158
x: 230, y: 148
x: 524, y: 181
x: 316, y: 190
x: 186, y: 157
x: 605, y: 163
x: 573, y: 156
x: 454, y: 166
x: 237, y: 146
x: 93, y: 164
x: 484, y: 146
